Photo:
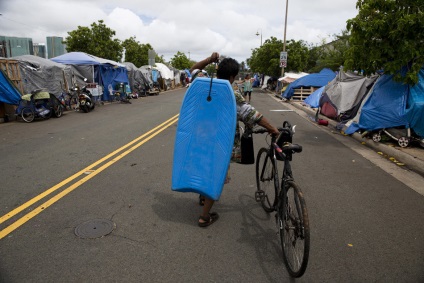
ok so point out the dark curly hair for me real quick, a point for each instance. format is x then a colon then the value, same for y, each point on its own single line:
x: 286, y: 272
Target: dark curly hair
x: 227, y: 67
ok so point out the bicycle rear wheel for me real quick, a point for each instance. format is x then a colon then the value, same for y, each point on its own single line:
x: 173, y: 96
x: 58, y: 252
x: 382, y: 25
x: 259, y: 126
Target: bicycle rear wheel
x: 266, y: 180
x: 293, y: 225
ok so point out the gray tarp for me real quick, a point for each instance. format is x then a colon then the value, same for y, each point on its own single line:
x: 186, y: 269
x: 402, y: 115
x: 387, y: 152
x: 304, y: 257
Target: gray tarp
x: 37, y: 72
x: 135, y: 75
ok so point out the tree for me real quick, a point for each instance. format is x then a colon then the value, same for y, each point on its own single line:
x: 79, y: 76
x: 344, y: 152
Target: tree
x: 331, y: 55
x: 266, y: 59
x: 388, y: 35
x: 133, y: 51
x: 97, y: 40
x: 180, y: 61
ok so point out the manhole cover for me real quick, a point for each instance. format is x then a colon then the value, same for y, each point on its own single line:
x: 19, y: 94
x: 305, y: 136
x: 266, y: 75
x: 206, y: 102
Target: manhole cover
x: 94, y: 228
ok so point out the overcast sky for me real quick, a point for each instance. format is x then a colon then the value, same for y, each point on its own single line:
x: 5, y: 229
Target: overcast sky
x: 198, y: 27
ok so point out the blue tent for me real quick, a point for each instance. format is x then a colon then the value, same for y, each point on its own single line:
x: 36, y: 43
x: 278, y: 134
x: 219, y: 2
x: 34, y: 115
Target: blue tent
x: 313, y: 99
x: 392, y: 104
x: 313, y: 80
x: 8, y: 92
x: 105, y: 72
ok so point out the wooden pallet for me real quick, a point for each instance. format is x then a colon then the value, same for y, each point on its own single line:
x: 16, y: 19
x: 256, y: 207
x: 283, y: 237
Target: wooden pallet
x: 11, y: 69
x: 302, y: 93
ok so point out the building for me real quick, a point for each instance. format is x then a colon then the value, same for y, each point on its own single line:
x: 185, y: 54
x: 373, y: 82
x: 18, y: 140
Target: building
x: 11, y: 46
x: 55, y: 47
x: 40, y: 50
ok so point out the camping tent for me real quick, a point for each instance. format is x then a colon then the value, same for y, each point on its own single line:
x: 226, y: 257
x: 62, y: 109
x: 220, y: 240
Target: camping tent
x: 105, y: 72
x: 9, y: 94
x: 342, y: 97
x: 313, y: 80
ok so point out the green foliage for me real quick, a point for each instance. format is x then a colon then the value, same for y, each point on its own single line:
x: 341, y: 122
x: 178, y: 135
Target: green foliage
x: 97, y: 40
x: 331, y: 55
x: 134, y: 52
x: 180, y: 61
x: 266, y: 59
x: 388, y: 35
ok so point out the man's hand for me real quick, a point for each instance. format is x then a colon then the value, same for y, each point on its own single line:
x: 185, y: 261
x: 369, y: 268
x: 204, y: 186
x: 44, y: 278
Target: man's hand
x: 214, y: 57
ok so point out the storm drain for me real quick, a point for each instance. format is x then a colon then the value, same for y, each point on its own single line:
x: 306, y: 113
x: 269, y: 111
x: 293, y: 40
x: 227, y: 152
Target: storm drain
x: 95, y: 228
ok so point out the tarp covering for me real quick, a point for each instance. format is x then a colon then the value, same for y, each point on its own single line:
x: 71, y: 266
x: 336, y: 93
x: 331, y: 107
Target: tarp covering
x: 415, y: 106
x: 135, y: 75
x: 165, y: 72
x: 40, y: 73
x: 384, y: 107
x: 313, y: 80
x: 313, y: 99
x: 9, y: 94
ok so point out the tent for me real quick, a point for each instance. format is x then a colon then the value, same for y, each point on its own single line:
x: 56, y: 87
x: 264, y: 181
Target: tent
x: 313, y: 80
x: 146, y: 70
x: 40, y: 73
x: 135, y: 75
x: 104, y: 72
x: 9, y: 94
x: 383, y: 108
x: 342, y: 97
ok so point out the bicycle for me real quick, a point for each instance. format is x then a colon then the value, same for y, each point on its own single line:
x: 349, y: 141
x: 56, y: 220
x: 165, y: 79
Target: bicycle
x: 286, y: 200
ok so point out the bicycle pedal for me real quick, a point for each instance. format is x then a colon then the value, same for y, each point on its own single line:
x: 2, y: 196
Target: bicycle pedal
x: 259, y: 195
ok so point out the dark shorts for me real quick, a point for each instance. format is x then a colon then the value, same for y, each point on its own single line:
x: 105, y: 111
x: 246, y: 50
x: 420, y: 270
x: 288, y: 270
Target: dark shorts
x: 247, y: 93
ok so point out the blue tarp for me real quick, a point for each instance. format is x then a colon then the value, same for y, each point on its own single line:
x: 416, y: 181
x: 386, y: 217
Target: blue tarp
x: 392, y: 104
x: 415, y: 106
x: 313, y: 99
x: 8, y: 92
x: 76, y: 58
x: 313, y: 80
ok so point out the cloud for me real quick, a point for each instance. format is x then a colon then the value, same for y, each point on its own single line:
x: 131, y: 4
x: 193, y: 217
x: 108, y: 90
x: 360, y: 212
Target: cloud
x: 198, y: 27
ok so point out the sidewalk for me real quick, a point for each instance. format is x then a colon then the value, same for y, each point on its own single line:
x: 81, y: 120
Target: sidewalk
x: 410, y: 157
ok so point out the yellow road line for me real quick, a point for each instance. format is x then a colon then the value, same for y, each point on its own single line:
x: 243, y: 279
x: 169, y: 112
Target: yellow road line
x: 40, y: 208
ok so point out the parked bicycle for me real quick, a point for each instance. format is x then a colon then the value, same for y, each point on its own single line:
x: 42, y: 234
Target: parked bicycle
x: 286, y: 199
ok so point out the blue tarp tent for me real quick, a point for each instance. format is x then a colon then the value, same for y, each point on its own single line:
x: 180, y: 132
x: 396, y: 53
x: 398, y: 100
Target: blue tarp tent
x: 383, y: 108
x: 313, y: 80
x: 313, y: 99
x: 104, y: 72
x: 8, y: 92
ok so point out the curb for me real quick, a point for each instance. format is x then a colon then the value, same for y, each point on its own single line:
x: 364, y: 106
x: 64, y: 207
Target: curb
x: 414, y: 163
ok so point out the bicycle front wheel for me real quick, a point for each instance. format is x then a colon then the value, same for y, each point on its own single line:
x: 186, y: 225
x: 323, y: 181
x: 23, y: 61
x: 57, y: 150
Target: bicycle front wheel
x: 293, y: 225
x: 266, y: 180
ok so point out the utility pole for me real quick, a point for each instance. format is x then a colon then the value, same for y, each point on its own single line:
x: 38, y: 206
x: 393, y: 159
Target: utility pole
x: 285, y: 29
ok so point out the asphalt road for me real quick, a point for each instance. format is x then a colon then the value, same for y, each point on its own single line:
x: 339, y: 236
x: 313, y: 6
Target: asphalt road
x: 114, y: 166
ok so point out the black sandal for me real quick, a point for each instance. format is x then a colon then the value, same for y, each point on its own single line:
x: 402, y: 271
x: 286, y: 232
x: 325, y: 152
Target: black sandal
x: 201, y: 200
x: 208, y: 220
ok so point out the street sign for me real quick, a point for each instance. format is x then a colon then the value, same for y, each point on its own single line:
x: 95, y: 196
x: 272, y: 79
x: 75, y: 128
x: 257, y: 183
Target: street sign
x: 283, y: 59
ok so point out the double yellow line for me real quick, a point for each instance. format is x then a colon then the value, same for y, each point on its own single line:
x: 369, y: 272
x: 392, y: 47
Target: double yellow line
x: 92, y: 170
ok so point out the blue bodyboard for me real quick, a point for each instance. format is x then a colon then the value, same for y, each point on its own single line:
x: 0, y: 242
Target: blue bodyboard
x: 204, y: 138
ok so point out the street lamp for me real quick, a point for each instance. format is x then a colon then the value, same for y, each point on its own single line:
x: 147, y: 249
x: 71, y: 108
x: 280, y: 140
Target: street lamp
x: 285, y: 28
x: 257, y: 33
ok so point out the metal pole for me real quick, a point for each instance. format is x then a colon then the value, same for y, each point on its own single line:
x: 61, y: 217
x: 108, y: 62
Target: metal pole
x: 257, y: 33
x: 285, y: 29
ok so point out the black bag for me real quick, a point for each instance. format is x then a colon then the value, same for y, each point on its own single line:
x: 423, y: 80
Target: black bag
x: 247, y: 151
